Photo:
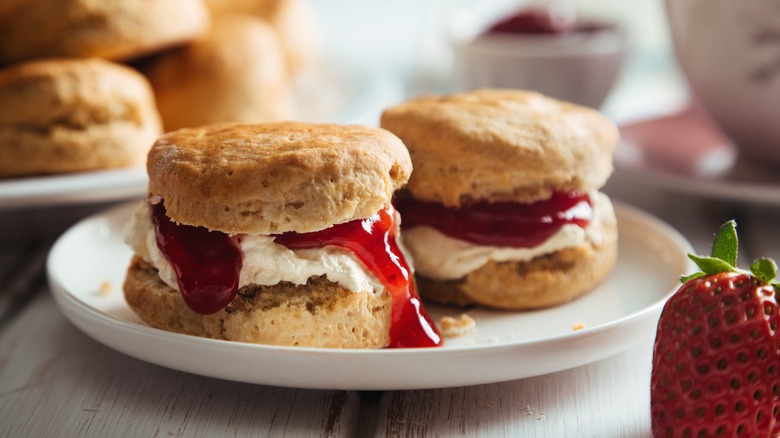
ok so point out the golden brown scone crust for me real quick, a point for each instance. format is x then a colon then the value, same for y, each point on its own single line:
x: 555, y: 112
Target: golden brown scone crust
x: 294, y: 20
x: 235, y: 73
x: 276, y: 177
x: 501, y: 145
x: 318, y: 314
x: 71, y: 115
x: 545, y: 281
x: 111, y: 29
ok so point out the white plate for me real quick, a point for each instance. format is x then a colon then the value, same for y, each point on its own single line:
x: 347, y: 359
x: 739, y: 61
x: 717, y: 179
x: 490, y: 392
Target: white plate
x: 74, y: 188
x: 87, y: 264
x: 685, y: 152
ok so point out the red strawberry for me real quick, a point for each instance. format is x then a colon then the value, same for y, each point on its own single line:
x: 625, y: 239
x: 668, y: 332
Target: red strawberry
x: 716, y: 358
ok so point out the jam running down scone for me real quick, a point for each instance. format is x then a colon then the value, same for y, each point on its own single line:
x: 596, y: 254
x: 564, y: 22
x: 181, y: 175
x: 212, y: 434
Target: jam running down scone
x: 277, y: 234
x: 503, y: 208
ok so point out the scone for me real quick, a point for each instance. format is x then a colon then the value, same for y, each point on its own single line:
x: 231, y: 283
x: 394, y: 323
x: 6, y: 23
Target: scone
x: 234, y: 73
x: 278, y: 234
x: 295, y: 20
x: 111, y: 29
x: 68, y: 115
x: 503, y: 208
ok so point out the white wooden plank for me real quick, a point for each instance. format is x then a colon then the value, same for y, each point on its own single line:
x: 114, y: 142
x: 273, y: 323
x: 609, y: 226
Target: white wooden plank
x: 55, y: 381
x: 610, y: 398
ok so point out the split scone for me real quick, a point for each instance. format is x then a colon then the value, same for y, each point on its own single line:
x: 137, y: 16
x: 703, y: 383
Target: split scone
x: 278, y: 233
x: 503, y: 208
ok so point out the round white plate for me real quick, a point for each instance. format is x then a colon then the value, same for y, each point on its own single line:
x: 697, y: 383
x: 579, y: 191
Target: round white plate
x: 86, y: 268
x: 73, y: 188
x: 685, y: 152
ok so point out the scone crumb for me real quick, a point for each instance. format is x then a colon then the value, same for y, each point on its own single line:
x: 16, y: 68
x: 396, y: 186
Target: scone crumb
x: 105, y: 288
x: 578, y: 326
x: 452, y: 327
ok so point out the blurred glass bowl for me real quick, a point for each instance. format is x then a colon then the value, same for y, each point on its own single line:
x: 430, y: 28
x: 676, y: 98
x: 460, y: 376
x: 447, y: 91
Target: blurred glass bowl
x: 575, y: 65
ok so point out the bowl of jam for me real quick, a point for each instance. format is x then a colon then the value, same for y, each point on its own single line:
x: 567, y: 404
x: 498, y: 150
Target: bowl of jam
x: 554, y: 52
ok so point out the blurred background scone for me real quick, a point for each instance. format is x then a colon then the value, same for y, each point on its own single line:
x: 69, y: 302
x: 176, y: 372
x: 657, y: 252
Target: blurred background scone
x: 67, y: 115
x: 294, y: 20
x: 234, y: 73
x: 503, y: 209
x: 111, y: 29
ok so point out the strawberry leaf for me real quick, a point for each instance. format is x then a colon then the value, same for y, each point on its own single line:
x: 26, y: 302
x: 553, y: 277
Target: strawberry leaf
x: 711, y: 265
x: 686, y: 278
x: 726, y: 244
x: 764, y: 269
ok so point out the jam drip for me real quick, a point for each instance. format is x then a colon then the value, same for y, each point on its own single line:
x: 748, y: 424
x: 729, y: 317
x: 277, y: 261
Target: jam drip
x: 505, y: 224
x: 373, y: 241
x: 207, y: 263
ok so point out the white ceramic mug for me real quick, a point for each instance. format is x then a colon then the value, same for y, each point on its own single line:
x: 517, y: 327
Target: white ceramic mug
x: 729, y: 51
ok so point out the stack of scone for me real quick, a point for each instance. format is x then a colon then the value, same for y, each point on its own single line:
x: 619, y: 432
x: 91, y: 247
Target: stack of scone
x: 277, y: 233
x: 73, y: 97
x: 503, y: 208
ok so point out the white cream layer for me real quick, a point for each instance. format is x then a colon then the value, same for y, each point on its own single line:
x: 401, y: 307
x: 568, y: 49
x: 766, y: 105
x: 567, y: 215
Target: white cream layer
x: 265, y: 262
x: 441, y: 257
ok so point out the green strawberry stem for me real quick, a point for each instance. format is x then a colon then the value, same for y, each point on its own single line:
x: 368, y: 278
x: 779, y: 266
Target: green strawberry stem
x: 724, y: 258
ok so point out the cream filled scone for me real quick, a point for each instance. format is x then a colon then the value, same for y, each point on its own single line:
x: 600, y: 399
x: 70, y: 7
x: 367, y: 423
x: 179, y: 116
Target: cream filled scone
x: 277, y: 233
x: 503, y: 208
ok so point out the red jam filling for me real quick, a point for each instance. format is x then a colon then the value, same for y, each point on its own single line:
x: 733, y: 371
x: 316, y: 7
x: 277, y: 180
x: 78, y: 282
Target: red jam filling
x: 539, y: 21
x: 505, y: 224
x: 373, y: 241
x: 208, y: 263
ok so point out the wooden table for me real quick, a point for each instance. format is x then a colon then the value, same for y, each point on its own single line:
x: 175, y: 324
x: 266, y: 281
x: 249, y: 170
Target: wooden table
x: 56, y: 381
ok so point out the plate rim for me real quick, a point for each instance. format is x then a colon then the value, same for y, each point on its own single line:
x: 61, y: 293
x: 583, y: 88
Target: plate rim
x: 73, y: 188
x: 83, y: 315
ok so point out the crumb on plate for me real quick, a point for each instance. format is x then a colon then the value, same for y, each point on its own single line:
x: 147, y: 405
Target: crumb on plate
x: 451, y: 327
x: 105, y: 288
x: 578, y: 326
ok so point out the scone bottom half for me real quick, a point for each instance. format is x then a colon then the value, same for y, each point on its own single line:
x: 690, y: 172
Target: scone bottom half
x: 503, y: 208
x: 344, y: 285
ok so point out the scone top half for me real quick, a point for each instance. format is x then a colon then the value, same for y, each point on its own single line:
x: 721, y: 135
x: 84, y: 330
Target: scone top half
x: 501, y: 146
x: 274, y: 178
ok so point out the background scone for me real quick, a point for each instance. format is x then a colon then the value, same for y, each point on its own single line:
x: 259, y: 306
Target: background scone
x: 295, y: 21
x: 110, y: 29
x: 67, y: 115
x: 503, y: 208
x: 263, y: 223
x: 236, y: 72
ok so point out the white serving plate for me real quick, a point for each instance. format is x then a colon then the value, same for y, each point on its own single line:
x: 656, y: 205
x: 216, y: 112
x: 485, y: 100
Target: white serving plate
x: 86, y: 268
x: 73, y: 188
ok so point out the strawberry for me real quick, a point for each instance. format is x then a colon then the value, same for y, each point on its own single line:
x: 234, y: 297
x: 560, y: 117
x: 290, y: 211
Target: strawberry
x: 716, y: 357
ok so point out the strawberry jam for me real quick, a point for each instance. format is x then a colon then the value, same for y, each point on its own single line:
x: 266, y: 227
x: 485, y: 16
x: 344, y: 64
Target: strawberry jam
x: 207, y: 263
x: 505, y: 224
x: 373, y: 241
x: 542, y: 21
